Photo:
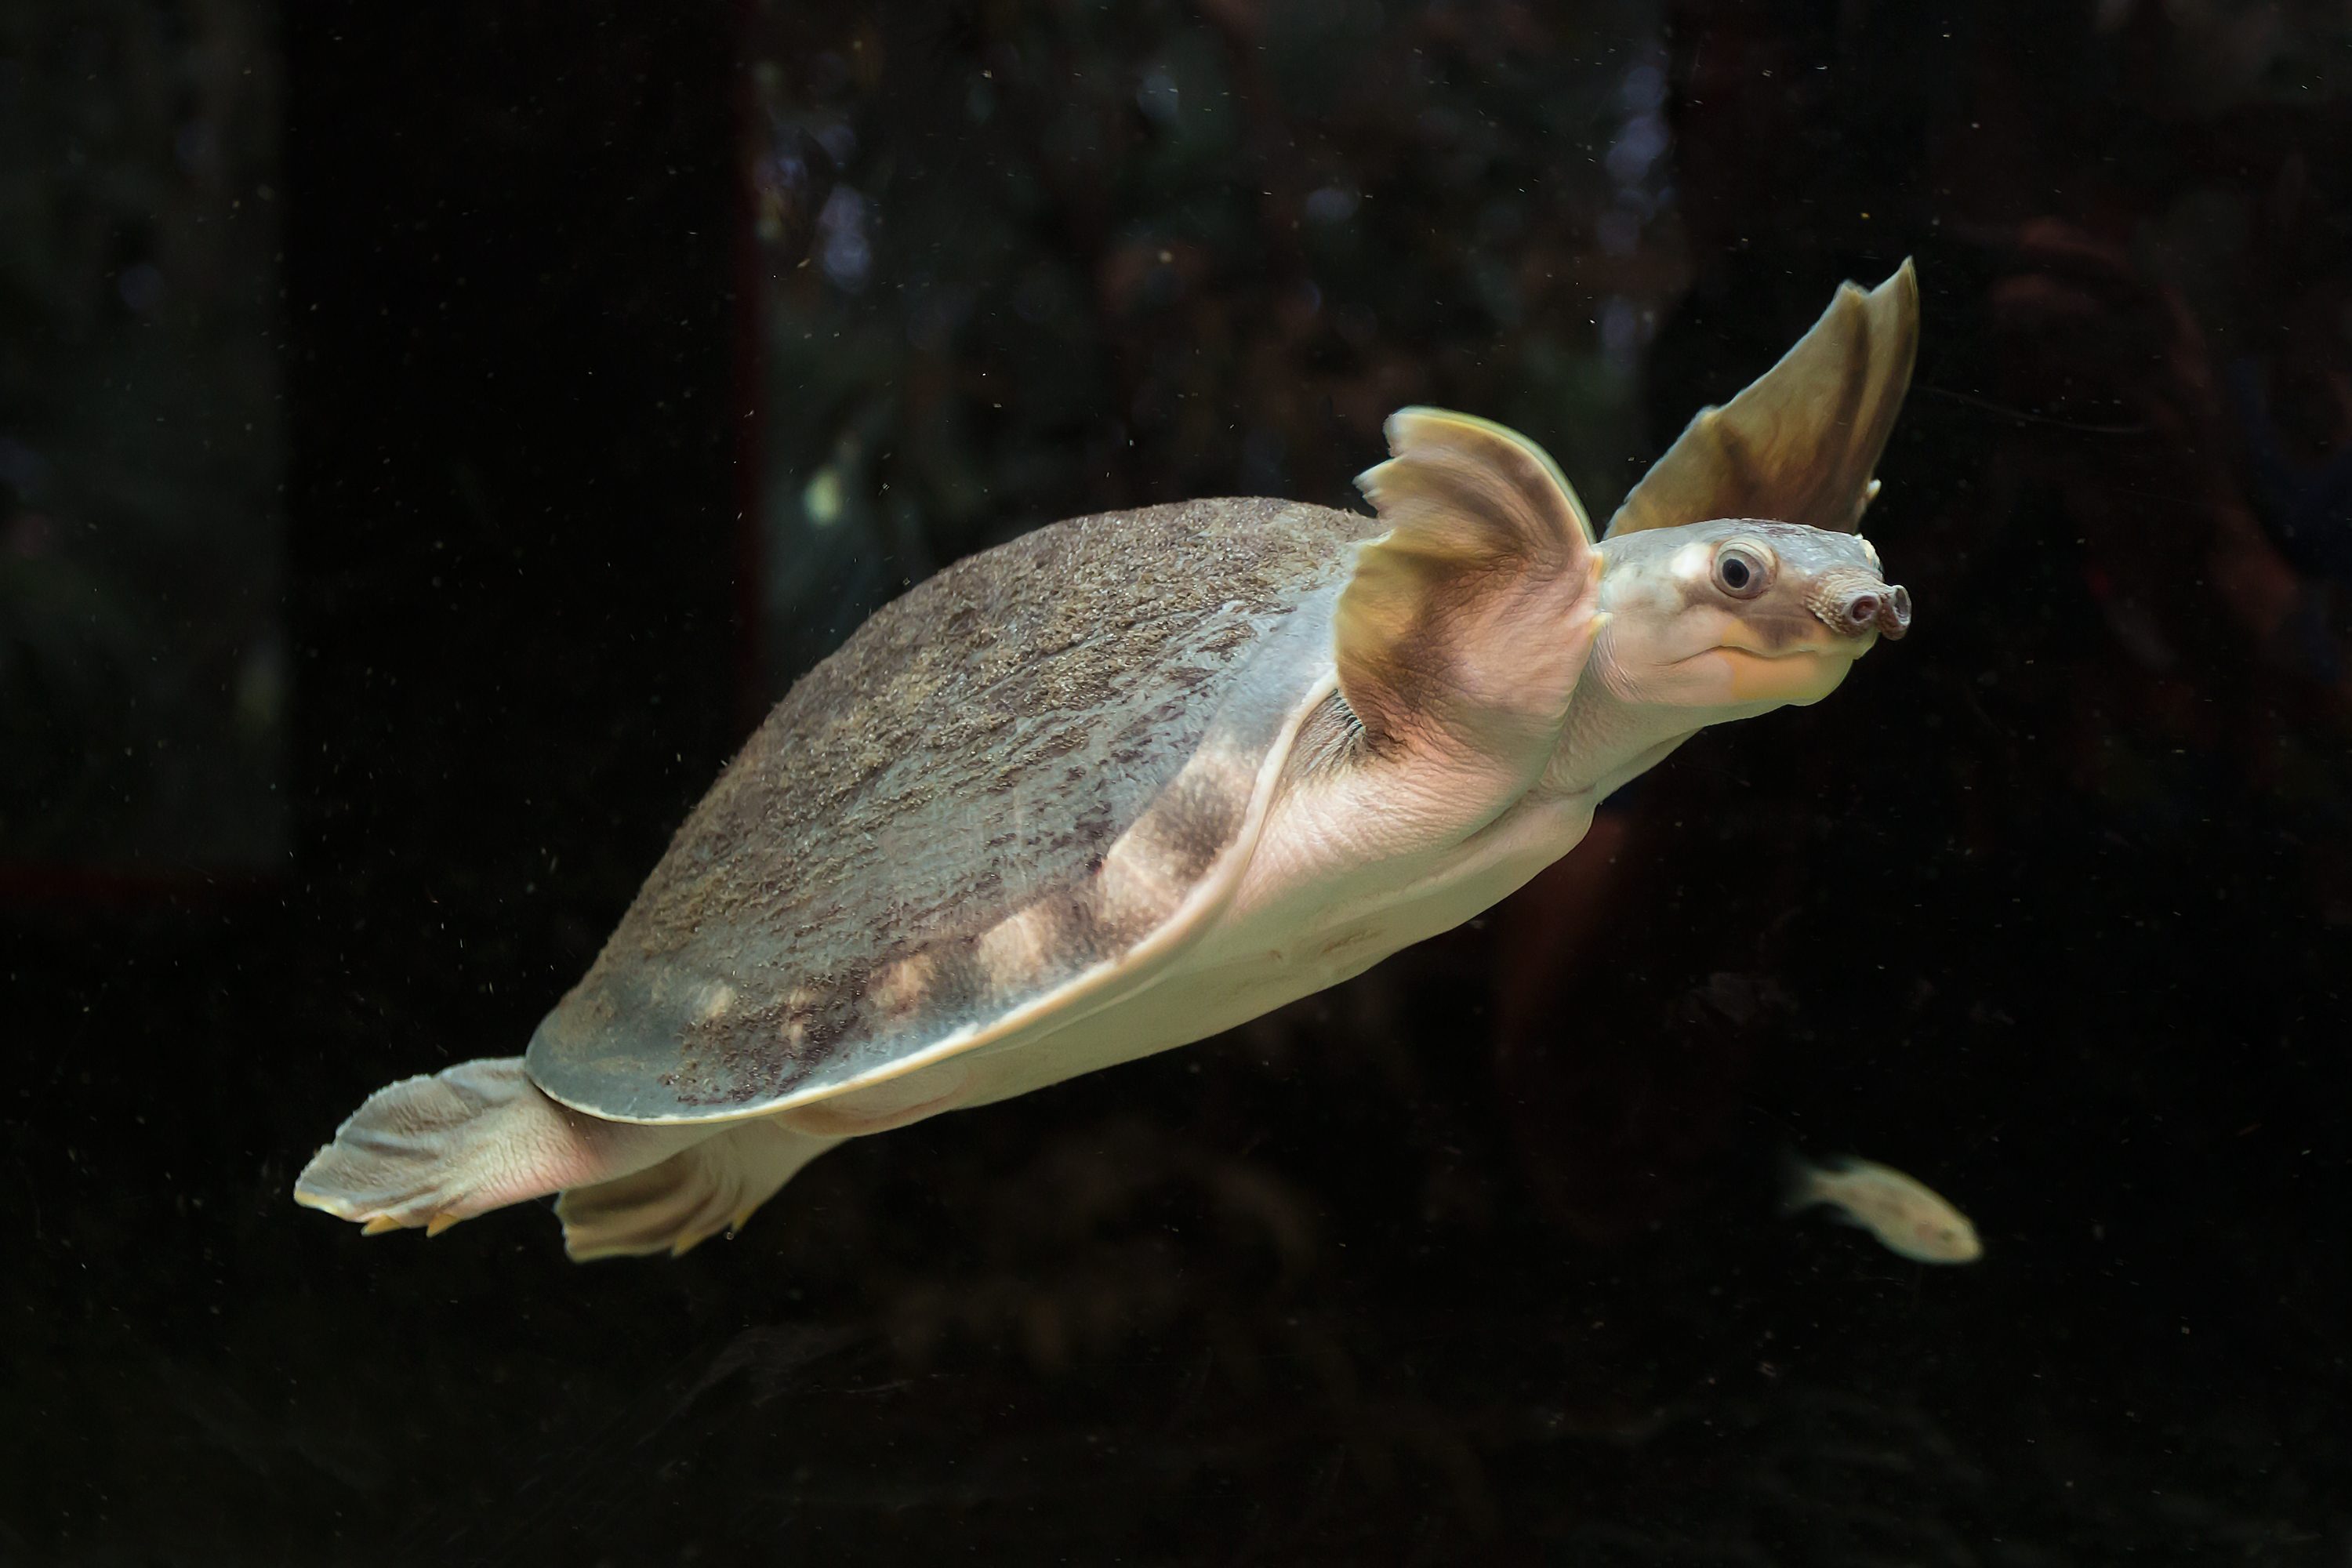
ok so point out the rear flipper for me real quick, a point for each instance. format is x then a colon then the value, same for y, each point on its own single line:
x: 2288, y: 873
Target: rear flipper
x: 688, y: 1198
x: 477, y: 1136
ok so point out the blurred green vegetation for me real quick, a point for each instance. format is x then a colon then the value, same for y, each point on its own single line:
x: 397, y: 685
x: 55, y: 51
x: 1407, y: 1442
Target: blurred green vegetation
x: 142, y: 676
x: 1028, y: 262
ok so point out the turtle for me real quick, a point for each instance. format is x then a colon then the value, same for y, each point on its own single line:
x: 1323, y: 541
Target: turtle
x: 1129, y: 780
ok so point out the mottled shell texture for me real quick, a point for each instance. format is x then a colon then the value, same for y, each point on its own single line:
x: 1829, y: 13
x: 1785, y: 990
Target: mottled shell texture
x: 913, y: 844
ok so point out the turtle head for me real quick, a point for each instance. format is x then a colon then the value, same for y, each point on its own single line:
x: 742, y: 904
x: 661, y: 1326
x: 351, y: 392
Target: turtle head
x: 1734, y: 618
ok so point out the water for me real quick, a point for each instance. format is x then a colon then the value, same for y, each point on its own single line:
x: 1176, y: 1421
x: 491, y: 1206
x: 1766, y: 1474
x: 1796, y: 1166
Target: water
x: 427, y: 447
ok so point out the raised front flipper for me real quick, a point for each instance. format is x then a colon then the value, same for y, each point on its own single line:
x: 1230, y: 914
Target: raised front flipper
x: 1466, y: 625
x: 1800, y: 443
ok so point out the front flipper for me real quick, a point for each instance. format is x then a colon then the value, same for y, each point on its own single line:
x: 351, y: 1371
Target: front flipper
x: 1799, y: 444
x: 1469, y: 621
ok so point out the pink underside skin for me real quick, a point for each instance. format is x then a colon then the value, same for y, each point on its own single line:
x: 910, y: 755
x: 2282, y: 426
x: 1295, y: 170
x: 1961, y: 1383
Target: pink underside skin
x: 472, y: 1138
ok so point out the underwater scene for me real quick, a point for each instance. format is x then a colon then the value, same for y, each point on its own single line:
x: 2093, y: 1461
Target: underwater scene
x: 1233, y: 782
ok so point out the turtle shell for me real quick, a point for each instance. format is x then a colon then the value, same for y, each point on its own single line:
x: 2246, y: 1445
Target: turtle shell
x: 1002, y: 797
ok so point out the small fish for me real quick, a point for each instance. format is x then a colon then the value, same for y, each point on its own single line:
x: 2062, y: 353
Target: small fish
x: 1905, y: 1216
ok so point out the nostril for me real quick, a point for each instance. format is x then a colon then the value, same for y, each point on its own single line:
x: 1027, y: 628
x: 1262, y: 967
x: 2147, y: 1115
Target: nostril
x: 1895, y: 619
x: 1851, y: 602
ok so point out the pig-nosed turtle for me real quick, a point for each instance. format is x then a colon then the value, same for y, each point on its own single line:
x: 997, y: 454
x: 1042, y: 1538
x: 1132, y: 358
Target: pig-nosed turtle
x: 1132, y: 779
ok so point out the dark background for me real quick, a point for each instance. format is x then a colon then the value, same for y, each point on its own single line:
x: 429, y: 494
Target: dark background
x: 1476, y: 1256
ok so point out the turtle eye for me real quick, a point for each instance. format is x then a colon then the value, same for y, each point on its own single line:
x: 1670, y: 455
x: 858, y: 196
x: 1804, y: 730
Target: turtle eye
x: 1742, y: 571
